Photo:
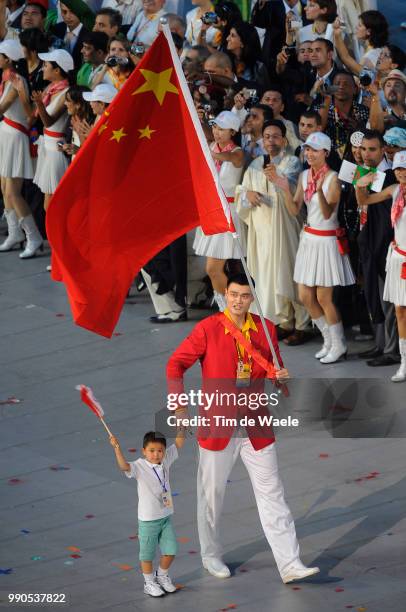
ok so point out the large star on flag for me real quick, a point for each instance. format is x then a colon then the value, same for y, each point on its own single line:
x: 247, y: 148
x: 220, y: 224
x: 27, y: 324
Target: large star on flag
x: 157, y: 82
x: 118, y: 134
x: 146, y: 132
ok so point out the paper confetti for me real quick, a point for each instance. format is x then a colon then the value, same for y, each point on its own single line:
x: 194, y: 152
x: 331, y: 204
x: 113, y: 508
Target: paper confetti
x: 124, y: 566
x: 14, y: 481
x: 243, y: 570
x: 117, y: 334
x: 339, y: 590
x: 324, y: 455
x: 133, y: 537
x: 89, y: 516
x: 175, y: 493
x: 73, y: 548
x: 296, y: 588
x: 36, y: 558
x: 361, y: 609
x: 69, y: 562
x: 369, y: 476
x: 6, y: 572
x: 183, y: 540
x: 58, y: 468
x: 132, y: 450
x: 192, y: 552
x: 76, y: 556
x: 229, y: 607
x: 24, y: 531
x: 59, y: 314
x: 10, y: 400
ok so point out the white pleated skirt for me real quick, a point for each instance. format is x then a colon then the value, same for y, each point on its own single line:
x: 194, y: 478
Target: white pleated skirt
x: 319, y: 263
x: 395, y: 286
x: 15, y: 158
x: 220, y: 246
x: 51, y: 165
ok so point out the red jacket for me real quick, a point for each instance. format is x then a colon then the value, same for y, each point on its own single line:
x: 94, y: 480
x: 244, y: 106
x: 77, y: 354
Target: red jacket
x: 216, y: 351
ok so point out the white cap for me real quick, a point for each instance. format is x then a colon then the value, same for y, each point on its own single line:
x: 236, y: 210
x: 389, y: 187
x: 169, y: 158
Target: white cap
x: 60, y: 57
x: 101, y: 93
x: 12, y: 49
x: 395, y: 74
x: 318, y: 141
x: 399, y: 160
x: 356, y: 139
x: 227, y: 121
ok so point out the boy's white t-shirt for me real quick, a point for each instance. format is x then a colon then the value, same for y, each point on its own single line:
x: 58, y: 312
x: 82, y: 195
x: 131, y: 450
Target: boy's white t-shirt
x: 150, y: 503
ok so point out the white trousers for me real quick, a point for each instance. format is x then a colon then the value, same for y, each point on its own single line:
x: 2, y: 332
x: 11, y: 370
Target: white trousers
x: 276, y: 519
x: 162, y: 303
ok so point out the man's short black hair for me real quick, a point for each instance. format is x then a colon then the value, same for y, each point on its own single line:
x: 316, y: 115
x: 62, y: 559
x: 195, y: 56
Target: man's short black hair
x: 266, y: 110
x: 325, y: 41
x: 344, y: 73
x: 372, y: 134
x: 239, y: 279
x: 311, y: 114
x: 276, y: 123
x: 98, y: 40
x: 115, y: 17
x: 153, y: 436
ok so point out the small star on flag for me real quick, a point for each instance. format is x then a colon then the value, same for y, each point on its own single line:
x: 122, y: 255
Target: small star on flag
x: 157, y: 82
x: 102, y: 128
x: 118, y: 134
x: 146, y: 132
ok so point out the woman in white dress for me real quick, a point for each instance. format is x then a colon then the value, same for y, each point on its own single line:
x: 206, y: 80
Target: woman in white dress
x: 321, y: 261
x: 372, y: 33
x: 395, y: 282
x: 322, y: 13
x: 229, y: 160
x: 52, y: 162
x: 15, y: 158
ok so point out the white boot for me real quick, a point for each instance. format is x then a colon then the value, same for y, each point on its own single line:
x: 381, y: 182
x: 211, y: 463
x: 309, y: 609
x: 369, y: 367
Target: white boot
x: 338, y: 346
x: 220, y: 301
x: 15, y: 233
x: 34, y: 238
x: 400, y: 375
x: 321, y: 323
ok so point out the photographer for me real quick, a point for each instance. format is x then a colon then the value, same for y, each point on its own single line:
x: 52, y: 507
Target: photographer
x: 118, y: 65
x: 145, y: 27
x: 200, y: 22
x: 394, y: 109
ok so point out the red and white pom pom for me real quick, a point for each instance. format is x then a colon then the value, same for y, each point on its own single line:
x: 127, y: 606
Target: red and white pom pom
x: 87, y: 397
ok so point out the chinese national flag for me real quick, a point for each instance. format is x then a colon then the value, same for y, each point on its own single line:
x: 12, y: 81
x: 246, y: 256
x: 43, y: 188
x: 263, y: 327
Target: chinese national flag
x: 143, y: 178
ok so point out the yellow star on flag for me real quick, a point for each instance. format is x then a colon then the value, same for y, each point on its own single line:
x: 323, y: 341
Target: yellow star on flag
x: 118, y: 134
x: 157, y: 82
x: 146, y: 132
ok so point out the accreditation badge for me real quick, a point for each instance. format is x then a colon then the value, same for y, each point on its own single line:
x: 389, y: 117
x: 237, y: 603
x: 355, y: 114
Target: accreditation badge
x: 167, y: 499
x: 243, y: 378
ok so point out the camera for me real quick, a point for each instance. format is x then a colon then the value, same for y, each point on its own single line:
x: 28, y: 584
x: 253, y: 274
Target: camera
x: 249, y: 94
x: 137, y: 49
x: 290, y: 51
x: 60, y: 144
x: 209, y: 18
x: 366, y: 77
x: 116, y: 60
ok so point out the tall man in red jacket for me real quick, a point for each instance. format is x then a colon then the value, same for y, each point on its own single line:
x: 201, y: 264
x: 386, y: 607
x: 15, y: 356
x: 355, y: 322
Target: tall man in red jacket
x: 222, y: 357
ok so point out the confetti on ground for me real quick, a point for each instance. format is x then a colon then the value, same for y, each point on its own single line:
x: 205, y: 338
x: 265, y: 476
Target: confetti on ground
x: 243, y: 570
x: 389, y: 533
x: 58, y: 468
x: 69, y: 562
x: 60, y: 314
x: 36, y: 558
x: 296, y: 588
x: 361, y: 609
x: 228, y: 481
x: 175, y: 493
x: 124, y: 566
x: 30, y: 306
x: 369, y: 476
x: 10, y: 400
x: 229, y: 607
x: 133, y: 537
x: 117, y: 334
x: 73, y: 548
x: 25, y: 531
x: 180, y: 586
x: 6, y: 572
x: 183, y: 540
x: 324, y: 455
x: 192, y: 552
x: 14, y: 481
x: 349, y: 606
x: 132, y: 450
x: 339, y: 590
x: 89, y: 516
x: 76, y: 556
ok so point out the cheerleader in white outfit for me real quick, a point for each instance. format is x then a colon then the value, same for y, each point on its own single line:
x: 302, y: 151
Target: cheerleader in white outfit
x: 52, y: 162
x: 229, y: 160
x: 395, y: 282
x: 15, y: 158
x: 321, y: 261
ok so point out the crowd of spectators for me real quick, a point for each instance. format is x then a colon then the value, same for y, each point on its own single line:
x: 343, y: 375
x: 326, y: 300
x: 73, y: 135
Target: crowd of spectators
x: 289, y: 94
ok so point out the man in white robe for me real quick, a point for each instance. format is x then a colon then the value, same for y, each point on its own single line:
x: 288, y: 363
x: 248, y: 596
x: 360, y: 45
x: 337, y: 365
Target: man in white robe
x: 273, y: 234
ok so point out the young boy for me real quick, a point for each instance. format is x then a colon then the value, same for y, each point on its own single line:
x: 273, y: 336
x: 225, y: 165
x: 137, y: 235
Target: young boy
x: 155, y: 507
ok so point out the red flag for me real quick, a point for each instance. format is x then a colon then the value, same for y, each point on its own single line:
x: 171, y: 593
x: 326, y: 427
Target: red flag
x: 87, y: 397
x: 143, y: 178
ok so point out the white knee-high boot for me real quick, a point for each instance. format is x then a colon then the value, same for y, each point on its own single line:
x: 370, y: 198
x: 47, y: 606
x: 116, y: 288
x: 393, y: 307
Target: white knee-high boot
x: 321, y: 323
x: 400, y: 375
x: 15, y: 234
x: 338, y: 346
x: 34, y: 238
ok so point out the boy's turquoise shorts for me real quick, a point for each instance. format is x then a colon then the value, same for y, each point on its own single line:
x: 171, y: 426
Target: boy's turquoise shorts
x: 153, y: 533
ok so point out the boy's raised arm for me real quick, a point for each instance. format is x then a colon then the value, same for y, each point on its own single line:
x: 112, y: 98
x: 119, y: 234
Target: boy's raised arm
x: 121, y: 461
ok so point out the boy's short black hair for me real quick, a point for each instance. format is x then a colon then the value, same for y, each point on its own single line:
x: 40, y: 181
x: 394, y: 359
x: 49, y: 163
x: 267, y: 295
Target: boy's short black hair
x: 153, y: 436
x: 240, y: 279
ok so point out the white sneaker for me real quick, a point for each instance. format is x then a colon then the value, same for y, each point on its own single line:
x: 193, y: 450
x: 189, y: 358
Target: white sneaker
x: 216, y: 567
x: 165, y: 583
x: 153, y: 589
x: 299, y: 573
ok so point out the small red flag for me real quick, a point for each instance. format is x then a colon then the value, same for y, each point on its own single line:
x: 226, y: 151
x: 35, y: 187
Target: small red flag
x: 87, y: 397
x: 143, y: 178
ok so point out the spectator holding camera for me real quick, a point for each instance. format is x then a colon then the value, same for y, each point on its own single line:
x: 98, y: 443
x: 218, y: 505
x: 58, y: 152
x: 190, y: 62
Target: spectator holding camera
x: 394, y: 108
x: 118, y: 64
x: 228, y: 14
x: 199, y: 22
x: 244, y: 49
x: 145, y: 27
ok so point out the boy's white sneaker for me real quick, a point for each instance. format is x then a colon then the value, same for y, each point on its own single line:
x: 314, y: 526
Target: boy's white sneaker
x: 153, y: 589
x: 165, y: 583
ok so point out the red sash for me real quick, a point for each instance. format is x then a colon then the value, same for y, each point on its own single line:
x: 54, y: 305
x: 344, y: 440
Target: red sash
x: 54, y: 134
x: 21, y: 128
x: 403, y: 253
x: 230, y: 200
x: 339, y: 233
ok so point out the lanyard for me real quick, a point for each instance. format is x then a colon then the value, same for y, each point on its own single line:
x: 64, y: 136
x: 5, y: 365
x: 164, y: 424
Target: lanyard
x: 163, y: 485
